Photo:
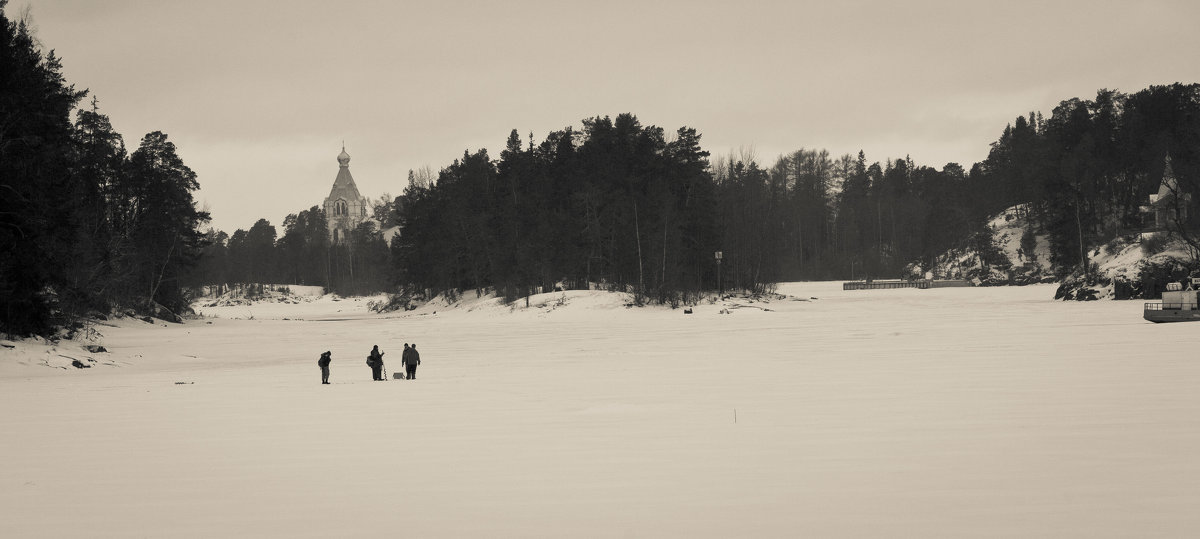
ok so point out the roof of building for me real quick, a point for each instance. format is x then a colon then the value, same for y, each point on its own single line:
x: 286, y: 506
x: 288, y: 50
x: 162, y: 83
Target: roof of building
x: 343, y: 185
x: 1167, y: 190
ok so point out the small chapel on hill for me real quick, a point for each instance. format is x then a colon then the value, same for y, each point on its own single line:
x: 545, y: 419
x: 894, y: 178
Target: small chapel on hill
x: 1169, y: 206
x: 345, y: 208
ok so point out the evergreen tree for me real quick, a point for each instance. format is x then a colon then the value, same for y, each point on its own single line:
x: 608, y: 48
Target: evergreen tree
x: 260, y: 253
x: 39, y: 219
x: 98, y: 167
x: 303, y: 251
x: 163, y: 224
x: 213, y: 267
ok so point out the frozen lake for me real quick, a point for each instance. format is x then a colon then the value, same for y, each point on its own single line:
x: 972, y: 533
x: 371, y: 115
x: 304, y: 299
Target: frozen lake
x: 960, y: 412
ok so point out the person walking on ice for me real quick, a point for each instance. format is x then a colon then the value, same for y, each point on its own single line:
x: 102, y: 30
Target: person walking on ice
x: 410, y: 360
x: 324, y: 364
x: 375, y: 361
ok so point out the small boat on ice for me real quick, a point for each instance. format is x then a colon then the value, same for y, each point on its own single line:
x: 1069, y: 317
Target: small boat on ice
x: 1177, y: 305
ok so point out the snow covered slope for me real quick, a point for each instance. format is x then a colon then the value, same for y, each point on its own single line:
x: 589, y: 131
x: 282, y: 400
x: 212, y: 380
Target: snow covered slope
x: 1130, y: 266
x: 1003, y: 260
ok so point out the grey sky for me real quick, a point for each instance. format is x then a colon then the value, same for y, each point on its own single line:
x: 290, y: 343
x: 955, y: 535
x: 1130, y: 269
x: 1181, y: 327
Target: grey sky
x: 258, y: 96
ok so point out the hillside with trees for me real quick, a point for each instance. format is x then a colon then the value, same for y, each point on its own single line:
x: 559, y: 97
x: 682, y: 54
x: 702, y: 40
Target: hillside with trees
x: 85, y: 227
x: 1088, y: 168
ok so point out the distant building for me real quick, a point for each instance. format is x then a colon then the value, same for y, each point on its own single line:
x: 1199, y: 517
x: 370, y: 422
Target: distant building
x: 1169, y: 205
x: 345, y: 207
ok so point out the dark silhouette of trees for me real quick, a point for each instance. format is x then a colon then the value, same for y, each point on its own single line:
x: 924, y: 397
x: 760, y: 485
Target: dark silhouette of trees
x: 83, y: 227
x: 303, y: 250
x: 303, y: 255
x: 99, y: 167
x: 162, y: 223
x: 1087, y: 169
x: 261, y: 266
x: 615, y: 204
x: 38, y: 222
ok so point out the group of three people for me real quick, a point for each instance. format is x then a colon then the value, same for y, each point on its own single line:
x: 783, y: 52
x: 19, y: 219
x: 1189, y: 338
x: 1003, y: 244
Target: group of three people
x: 409, y: 359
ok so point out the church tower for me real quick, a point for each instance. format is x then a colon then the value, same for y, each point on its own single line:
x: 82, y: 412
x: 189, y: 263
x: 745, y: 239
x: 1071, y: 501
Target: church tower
x: 345, y: 208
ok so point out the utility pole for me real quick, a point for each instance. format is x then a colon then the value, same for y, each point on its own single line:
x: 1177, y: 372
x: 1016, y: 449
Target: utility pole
x: 720, y: 285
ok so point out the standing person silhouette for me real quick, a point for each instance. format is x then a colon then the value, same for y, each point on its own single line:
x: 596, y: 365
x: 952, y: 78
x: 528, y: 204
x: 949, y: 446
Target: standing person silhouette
x: 375, y: 361
x: 407, y: 353
x: 324, y: 364
x: 410, y: 360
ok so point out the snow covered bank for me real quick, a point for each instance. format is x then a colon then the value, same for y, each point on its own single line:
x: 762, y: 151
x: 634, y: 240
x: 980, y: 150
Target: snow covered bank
x: 1130, y: 266
x: 1010, y: 254
x: 1134, y: 266
x: 907, y: 413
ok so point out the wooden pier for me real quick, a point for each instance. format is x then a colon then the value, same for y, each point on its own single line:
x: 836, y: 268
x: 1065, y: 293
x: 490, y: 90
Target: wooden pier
x: 915, y: 283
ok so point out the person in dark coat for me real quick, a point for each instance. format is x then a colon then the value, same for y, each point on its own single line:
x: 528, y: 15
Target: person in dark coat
x: 404, y: 361
x: 375, y: 360
x: 324, y: 364
x: 410, y: 360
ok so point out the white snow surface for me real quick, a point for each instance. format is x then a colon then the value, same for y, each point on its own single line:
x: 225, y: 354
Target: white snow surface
x: 955, y: 412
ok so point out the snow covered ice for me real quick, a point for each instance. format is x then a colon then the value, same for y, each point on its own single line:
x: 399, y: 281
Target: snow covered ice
x: 959, y: 412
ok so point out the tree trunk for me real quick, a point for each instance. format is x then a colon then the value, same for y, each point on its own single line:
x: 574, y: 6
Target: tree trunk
x: 662, y: 282
x: 150, y: 303
x: 1082, y: 251
x: 638, y: 235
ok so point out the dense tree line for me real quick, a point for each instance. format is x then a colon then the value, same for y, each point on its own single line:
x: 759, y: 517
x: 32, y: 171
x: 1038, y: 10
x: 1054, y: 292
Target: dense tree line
x: 811, y: 216
x: 1083, y: 173
x: 84, y: 226
x: 616, y: 203
x: 303, y: 255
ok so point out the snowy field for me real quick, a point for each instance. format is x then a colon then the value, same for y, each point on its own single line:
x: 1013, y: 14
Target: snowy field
x: 957, y: 412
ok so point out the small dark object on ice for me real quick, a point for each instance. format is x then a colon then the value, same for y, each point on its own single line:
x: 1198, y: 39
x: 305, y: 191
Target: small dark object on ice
x: 78, y: 363
x: 95, y: 348
x: 398, y: 376
x: 183, y: 383
x: 687, y: 311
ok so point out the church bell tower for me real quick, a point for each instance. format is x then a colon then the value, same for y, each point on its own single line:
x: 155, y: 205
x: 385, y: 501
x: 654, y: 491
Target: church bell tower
x: 345, y: 208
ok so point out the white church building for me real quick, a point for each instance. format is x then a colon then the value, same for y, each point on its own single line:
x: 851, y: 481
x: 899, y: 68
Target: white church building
x: 345, y: 208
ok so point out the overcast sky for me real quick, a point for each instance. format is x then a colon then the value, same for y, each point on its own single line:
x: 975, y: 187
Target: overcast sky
x: 258, y: 96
